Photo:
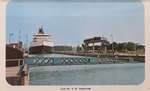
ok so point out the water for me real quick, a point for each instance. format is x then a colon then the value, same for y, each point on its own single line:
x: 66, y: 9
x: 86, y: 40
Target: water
x: 100, y: 74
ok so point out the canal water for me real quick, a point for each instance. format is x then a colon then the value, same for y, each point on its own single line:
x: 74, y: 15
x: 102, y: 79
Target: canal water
x: 100, y: 74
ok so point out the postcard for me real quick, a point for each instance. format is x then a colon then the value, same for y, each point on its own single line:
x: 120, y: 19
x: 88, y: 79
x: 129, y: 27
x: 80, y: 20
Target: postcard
x: 75, y: 45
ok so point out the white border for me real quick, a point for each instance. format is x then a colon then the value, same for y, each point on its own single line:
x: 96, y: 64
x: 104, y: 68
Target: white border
x: 6, y: 87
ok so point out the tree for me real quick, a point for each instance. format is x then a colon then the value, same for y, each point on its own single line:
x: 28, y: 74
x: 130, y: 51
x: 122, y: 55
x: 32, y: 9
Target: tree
x: 139, y: 47
x: 131, y: 46
x: 125, y: 46
x: 79, y: 48
x: 84, y: 47
x: 114, y: 46
x: 122, y: 47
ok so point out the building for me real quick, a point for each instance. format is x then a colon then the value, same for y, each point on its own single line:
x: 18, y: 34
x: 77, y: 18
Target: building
x: 14, y: 58
x: 14, y: 51
x: 96, y: 44
x: 15, y: 45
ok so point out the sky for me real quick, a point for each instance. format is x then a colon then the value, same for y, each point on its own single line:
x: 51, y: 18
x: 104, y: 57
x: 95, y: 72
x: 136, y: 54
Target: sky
x: 70, y: 23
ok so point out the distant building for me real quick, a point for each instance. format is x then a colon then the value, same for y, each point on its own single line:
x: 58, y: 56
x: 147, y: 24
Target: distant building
x: 96, y: 44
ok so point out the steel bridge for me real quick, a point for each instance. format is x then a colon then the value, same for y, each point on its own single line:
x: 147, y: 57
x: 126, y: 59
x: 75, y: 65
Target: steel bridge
x: 45, y: 61
x: 53, y: 61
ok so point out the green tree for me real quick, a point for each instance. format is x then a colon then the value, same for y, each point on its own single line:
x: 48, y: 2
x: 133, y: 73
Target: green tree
x: 140, y: 47
x: 131, y: 46
x: 84, y: 47
x: 122, y: 47
x: 115, y: 46
x: 79, y: 48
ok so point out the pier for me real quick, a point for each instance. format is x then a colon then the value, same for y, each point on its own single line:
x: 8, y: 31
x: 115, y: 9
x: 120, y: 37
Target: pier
x: 17, y: 75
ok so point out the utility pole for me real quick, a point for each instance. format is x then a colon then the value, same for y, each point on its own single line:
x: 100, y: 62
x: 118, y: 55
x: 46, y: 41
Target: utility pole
x: 136, y: 49
x: 93, y: 47
x: 27, y: 40
x: 19, y: 39
x: 112, y: 39
x: 19, y: 35
x: 10, y: 35
x: 27, y: 43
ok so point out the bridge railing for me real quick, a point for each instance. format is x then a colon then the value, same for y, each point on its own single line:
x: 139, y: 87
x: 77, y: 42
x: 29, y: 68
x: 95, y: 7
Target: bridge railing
x: 74, y: 60
x: 58, y: 60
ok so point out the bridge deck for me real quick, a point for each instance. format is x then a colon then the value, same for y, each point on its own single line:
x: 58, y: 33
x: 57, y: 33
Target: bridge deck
x: 74, y: 60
